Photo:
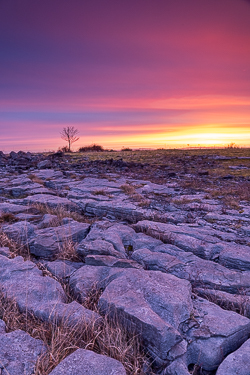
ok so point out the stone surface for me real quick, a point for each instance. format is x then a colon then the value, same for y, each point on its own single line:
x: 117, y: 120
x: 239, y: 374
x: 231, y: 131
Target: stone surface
x: 109, y: 261
x: 154, y: 303
x: 142, y: 272
x: 199, y: 272
x: 213, y: 333
x: 62, y: 269
x: 86, y: 362
x: 236, y: 363
x: 19, y: 353
x: 236, y: 302
x: 98, y: 247
x: 48, y: 242
x: 20, y: 232
x: 52, y: 202
x: 5, y: 251
x: 42, y: 296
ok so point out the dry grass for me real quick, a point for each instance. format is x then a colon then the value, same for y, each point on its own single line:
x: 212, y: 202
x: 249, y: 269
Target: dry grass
x: 128, y: 189
x: 68, y: 251
x: 8, y: 218
x: 136, y: 197
x: 101, y: 192
x: 60, y: 340
x: 163, y: 156
x: 35, y: 179
x: 142, y: 201
x: 15, y: 248
x: 62, y: 213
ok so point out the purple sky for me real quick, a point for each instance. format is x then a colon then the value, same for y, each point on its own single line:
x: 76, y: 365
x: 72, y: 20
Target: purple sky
x: 139, y: 73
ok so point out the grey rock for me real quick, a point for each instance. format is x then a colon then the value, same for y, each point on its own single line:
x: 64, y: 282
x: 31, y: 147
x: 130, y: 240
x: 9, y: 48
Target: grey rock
x: 44, y: 164
x: 19, y: 353
x: 48, y: 242
x: 5, y: 251
x: 51, y: 202
x: 106, y: 238
x: 153, y: 303
x: 48, y: 174
x: 234, y: 256
x: 2, y: 327
x: 115, y: 209
x: 13, y: 155
x: 200, y: 272
x: 28, y: 217
x: 213, y: 333
x: 41, y: 296
x: 89, y: 278
x: 177, y: 367
x: 235, y: 302
x: 109, y: 261
x: 97, y: 247
x: 62, y: 269
x: 141, y: 240
x: 6, y: 207
x: 116, y: 234
x: 236, y: 362
x: 19, y: 232
x: 86, y: 362
x: 203, y: 242
x: 21, y: 180
x: 49, y: 220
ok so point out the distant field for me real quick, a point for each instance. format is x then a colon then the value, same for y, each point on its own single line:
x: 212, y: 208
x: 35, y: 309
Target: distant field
x: 233, y: 161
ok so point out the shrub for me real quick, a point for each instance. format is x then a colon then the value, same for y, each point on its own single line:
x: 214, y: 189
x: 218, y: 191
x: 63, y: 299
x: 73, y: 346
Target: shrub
x: 64, y: 149
x: 93, y: 147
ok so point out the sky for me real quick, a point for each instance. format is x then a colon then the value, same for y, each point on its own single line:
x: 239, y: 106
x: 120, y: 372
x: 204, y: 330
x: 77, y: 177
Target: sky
x: 134, y: 73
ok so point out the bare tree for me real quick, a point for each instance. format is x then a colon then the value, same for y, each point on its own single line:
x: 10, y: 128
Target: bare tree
x: 69, y: 134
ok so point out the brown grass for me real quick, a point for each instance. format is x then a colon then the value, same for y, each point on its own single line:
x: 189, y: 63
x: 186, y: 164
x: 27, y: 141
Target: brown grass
x: 128, y: 189
x: 15, y: 249
x: 36, y: 179
x: 68, y: 251
x: 61, y: 340
x: 8, y: 218
x: 62, y: 213
x: 101, y: 192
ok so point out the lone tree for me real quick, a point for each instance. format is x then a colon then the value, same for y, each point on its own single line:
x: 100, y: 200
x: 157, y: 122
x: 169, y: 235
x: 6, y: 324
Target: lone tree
x: 69, y: 134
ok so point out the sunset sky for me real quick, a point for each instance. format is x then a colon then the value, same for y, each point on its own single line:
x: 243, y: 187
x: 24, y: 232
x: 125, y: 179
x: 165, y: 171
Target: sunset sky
x: 137, y: 73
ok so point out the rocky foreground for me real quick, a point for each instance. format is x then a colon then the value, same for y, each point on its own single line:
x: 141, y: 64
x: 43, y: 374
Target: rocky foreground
x: 170, y: 264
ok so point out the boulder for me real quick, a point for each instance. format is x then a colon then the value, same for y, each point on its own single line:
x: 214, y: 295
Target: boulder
x: 235, y: 302
x: 86, y: 362
x: 48, y: 242
x: 48, y: 174
x: 213, y: 333
x: 153, y: 304
x: 5, y: 251
x: 97, y: 247
x: 20, y: 232
x: 51, y: 201
x: 141, y: 240
x: 200, y: 272
x: 42, y: 296
x: 234, y: 256
x: 109, y: 261
x: 49, y: 220
x: 236, y: 362
x: 203, y: 242
x: 6, y: 207
x: 62, y: 269
x: 90, y: 278
x: 19, y: 353
x: 44, y: 164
